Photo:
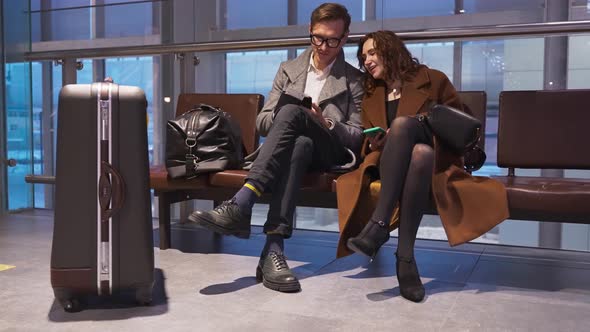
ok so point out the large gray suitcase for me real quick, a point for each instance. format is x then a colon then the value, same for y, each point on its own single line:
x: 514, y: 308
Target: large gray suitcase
x: 103, y: 238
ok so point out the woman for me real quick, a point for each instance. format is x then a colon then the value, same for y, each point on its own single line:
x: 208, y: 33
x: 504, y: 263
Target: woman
x: 409, y: 162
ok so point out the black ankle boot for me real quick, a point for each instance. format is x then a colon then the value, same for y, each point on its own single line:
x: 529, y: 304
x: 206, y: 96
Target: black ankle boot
x: 410, y: 285
x: 370, y: 239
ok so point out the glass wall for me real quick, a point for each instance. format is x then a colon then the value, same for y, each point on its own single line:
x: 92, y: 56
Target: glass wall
x: 19, y: 133
x: 18, y: 108
x: 136, y: 71
x: 86, y: 20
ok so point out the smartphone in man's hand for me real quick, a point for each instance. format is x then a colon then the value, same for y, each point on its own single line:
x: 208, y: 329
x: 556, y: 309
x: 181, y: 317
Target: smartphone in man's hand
x: 306, y: 102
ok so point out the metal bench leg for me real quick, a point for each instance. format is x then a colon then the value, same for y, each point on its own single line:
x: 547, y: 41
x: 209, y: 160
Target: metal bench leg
x: 164, y: 220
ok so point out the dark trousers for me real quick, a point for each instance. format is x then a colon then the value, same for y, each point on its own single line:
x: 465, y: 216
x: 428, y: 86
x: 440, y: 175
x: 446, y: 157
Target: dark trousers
x: 296, y: 143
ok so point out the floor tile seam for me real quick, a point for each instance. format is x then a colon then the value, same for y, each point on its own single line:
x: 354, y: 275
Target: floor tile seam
x: 473, y: 267
x: 317, y: 271
x: 491, y: 254
x: 450, y: 251
x: 539, y: 252
x: 452, y: 307
x: 538, y: 262
x: 529, y: 299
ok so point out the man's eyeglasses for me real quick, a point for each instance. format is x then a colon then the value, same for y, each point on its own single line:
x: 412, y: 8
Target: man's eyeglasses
x: 319, y: 40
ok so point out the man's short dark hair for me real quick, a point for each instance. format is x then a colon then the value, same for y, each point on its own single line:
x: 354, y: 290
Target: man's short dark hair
x: 330, y: 12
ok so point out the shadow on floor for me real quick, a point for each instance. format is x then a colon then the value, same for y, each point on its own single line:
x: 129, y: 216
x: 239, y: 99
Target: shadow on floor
x: 117, y: 307
x: 449, y: 270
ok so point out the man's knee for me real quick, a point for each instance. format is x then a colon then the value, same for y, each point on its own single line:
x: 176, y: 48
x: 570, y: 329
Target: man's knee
x: 303, y: 148
x: 289, y: 112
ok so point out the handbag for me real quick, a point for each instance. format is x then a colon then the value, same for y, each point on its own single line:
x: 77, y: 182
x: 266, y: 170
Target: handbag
x: 458, y: 131
x: 202, y: 140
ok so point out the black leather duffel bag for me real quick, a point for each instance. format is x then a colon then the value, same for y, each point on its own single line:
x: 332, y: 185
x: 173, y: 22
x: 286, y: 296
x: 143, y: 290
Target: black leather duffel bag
x: 201, y: 140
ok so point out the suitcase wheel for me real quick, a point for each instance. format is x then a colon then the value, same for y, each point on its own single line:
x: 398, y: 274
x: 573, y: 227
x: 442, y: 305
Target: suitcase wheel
x: 71, y: 305
x: 67, y: 299
x: 143, y: 295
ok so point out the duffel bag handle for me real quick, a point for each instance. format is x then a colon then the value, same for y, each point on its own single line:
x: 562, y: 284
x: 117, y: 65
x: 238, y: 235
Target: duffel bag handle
x: 110, y: 191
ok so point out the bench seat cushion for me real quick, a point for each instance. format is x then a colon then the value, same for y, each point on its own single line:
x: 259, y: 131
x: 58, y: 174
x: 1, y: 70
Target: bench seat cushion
x: 235, y: 179
x: 159, y: 180
x: 548, y: 199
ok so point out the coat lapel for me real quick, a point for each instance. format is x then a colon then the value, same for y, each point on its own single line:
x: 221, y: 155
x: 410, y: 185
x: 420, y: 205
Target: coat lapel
x: 413, y: 96
x: 412, y: 102
x: 296, y: 71
x: 336, y: 80
x: 374, y: 107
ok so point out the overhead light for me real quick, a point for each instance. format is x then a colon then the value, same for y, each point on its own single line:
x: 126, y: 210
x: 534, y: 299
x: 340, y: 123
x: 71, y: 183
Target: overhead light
x: 166, y: 99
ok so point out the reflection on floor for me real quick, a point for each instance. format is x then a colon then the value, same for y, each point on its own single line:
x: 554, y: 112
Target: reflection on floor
x: 207, y: 283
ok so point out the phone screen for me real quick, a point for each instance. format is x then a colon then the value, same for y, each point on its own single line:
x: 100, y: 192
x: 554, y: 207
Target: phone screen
x: 373, y: 131
x: 306, y: 102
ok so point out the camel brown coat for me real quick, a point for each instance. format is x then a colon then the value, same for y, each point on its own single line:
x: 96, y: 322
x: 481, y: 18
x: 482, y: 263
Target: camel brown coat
x: 468, y: 206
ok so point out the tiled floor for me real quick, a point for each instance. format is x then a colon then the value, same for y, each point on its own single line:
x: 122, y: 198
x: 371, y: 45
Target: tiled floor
x: 208, y: 284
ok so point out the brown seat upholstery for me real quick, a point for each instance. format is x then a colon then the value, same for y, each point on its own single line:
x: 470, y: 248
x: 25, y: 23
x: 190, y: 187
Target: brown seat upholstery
x: 546, y: 130
x: 548, y: 199
x: 160, y: 182
x: 317, y: 181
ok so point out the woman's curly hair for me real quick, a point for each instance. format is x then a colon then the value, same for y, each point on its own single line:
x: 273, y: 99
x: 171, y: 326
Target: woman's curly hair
x: 397, y: 60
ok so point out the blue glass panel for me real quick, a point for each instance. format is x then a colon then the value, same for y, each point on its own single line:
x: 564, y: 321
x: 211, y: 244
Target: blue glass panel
x: 136, y: 72
x: 60, y: 4
x: 71, y: 24
x: 37, y: 92
x: 35, y: 22
x: 128, y: 20
x: 85, y: 75
x: 252, y: 72
x: 247, y: 14
x: 18, y: 132
x: 482, y: 6
x: 438, y: 56
x: 304, y: 9
x: 413, y: 8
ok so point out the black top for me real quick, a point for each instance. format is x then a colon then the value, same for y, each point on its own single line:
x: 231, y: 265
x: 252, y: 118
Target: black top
x: 391, y: 106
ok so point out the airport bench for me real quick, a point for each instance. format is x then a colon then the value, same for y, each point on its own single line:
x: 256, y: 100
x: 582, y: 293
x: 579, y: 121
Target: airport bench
x: 545, y: 130
x: 318, y: 189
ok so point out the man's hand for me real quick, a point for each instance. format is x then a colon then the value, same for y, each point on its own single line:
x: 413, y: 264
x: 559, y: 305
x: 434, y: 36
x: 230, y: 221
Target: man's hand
x: 377, y: 142
x: 316, y: 111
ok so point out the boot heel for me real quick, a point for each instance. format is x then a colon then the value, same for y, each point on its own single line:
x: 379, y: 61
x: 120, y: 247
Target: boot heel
x: 410, y: 285
x: 370, y: 239
x: 357, y: 246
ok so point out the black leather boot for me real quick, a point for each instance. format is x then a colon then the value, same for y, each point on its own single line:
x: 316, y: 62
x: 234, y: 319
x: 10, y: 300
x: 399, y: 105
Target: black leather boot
x: 275, y: 274
x: 370, y: 239
x: 226, y: 219
x: 410, y: 285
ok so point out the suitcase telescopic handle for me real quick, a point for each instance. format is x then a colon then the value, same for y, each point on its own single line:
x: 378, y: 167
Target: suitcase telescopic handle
x: 110, y: 191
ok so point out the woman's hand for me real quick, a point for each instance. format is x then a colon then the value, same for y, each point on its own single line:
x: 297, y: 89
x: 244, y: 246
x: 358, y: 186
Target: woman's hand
x: 377, y: 142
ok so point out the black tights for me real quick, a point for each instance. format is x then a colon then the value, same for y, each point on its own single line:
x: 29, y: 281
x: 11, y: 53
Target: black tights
x: 405, y: 169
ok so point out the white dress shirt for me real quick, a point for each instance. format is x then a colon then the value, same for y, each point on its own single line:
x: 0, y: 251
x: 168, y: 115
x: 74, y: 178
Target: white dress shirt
x: 316, y: 79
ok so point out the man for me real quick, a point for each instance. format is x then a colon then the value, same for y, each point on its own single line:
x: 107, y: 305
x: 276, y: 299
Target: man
x: 298, y: 139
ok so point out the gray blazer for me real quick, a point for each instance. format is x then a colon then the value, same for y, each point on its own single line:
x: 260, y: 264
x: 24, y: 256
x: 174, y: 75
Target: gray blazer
x: 340, y: 98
